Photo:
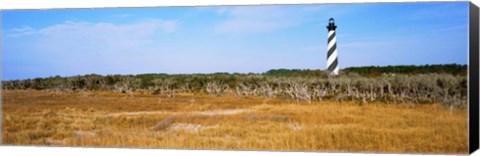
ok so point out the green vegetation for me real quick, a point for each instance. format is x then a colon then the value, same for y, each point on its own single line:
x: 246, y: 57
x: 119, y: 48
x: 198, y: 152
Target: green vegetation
x: 446, y: 84
x: 455, y: 69
x: 296, y: 72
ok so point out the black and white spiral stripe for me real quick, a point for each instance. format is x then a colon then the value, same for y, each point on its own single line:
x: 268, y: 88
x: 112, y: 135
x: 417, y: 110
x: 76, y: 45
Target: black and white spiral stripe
x: 332, y: 56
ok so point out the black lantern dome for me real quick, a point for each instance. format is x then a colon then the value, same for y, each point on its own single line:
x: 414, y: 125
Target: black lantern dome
x: 331, y: 24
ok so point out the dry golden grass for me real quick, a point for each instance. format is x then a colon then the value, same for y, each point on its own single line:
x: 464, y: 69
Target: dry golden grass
x: 242, y: 123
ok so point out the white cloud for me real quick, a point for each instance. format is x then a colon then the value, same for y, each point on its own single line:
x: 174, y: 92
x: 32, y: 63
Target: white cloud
x: 265, y: 19
x: 256, y: 19
x: 222, y: 10
x: 84, y: 47
x: 97, y: 34
x: 22, y: 31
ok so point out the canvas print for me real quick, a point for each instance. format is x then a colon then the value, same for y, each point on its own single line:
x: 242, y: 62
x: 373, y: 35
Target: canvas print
x: 369, y: 77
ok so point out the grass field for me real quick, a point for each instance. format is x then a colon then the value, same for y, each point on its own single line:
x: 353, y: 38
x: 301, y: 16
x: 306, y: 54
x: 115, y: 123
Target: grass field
x: 190, y: 121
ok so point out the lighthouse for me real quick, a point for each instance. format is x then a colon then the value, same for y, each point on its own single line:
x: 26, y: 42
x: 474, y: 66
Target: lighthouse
x: 332, y: 56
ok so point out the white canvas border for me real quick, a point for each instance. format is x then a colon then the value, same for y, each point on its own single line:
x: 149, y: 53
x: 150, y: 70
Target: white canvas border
x: 73, y: 151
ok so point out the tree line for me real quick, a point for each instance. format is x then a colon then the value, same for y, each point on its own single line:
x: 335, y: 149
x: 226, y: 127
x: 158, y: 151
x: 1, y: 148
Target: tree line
x: 455, y: 69
x: 314, y: 85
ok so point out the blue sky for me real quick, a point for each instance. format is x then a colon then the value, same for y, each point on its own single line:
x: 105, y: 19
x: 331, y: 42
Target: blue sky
x: 67, y: 42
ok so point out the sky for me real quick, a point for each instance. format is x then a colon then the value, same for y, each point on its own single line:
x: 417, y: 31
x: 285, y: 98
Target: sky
x: 243, y: 39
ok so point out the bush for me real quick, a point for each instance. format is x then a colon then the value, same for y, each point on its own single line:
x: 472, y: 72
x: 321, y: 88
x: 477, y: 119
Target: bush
x: 308, y: 85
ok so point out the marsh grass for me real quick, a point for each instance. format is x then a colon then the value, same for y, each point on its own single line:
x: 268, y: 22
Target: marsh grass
x: 165, y: 123
x: 247, y: 123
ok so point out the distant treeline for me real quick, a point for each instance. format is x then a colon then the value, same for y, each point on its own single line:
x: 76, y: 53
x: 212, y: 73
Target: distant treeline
x: 455, y: 69
x: 448, y: 88
x: 296, y: 72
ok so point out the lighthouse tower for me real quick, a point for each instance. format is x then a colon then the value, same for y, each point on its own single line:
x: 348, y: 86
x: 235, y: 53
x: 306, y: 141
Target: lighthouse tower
x: 332, y: 60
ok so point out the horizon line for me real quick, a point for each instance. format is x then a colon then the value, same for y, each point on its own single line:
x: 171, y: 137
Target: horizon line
x: 220, y: 72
